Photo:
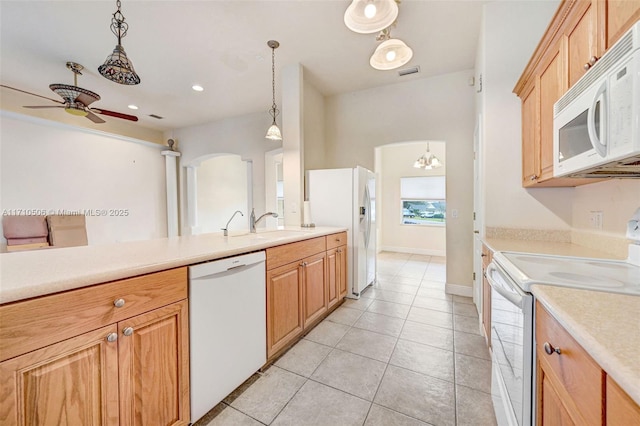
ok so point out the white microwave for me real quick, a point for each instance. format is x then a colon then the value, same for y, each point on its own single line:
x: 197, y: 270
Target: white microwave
x: 596, y: 125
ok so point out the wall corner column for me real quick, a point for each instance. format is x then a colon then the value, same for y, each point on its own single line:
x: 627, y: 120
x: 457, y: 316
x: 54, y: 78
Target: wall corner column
x: 171, y: 165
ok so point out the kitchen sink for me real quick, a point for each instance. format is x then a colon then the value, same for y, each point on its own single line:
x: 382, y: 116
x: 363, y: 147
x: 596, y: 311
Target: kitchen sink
x: 275, y: 234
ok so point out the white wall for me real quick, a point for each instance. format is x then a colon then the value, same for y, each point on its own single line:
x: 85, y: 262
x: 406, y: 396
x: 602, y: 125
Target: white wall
x: 437, y: 108
x: 314, y: 132
x: 397, y: 162
x: 222, y: 189
x: 243, y: 136
x: 511, y: 31
x: 51, y: 166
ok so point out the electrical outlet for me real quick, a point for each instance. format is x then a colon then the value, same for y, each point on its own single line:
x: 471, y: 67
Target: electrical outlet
x: 454, y: 213
x: 596, y: 218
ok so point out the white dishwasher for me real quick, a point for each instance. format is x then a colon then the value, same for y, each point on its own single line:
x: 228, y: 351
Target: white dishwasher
x: 227, y: 327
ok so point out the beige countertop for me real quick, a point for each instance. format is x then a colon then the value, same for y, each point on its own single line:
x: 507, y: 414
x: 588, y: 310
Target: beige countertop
x: 606, y: 325
x: 36, y: 273
x: 544, y: 247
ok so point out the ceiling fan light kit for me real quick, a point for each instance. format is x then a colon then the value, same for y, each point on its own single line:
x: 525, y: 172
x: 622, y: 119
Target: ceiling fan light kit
x: 273, y: 132
x: 118, y: 67
x: 370, y: 16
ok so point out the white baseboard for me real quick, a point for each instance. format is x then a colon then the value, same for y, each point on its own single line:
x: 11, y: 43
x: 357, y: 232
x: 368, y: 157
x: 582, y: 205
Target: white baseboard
x: 457, y: 289
x: 411, y: 250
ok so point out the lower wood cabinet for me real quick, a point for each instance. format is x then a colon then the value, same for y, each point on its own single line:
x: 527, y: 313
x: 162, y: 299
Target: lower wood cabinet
x: 336, y: 275
x: 131, y: 372
x: 572, y: 388
x: 284, y: 306
x: 305, y: 281
x: 314, y: 288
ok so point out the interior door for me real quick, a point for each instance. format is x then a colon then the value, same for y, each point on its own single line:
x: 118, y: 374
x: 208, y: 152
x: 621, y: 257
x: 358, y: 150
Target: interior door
x: 478, y: 209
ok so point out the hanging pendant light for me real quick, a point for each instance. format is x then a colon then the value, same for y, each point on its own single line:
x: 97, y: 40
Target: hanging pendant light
x: 118, y: 67
x: 427, y: 161
x: 370, y: 16
x: 391, y: 53
x: 274, y: 131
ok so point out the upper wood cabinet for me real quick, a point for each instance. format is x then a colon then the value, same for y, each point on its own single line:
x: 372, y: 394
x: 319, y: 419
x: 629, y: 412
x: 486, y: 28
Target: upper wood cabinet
x: 621, y: 15
x: 578, y: 34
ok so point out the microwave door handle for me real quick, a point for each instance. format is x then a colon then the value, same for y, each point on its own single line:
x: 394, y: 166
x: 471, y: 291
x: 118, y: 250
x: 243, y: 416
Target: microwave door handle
x: 508, y: 293
x: 599, y: 143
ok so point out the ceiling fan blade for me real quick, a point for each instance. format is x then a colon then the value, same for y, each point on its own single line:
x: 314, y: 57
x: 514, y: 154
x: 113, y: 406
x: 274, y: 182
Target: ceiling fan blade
x: 91, y: 116
x: 42, y: 106
x: 115, y: 114
x: 33, y: 94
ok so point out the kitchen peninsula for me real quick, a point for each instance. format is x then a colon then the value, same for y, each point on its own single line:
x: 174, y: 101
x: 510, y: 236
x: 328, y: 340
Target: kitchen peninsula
x: 104, y: 322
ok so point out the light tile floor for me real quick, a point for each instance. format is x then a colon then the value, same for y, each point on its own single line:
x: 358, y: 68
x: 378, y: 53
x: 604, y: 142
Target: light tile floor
x: 405, y: 353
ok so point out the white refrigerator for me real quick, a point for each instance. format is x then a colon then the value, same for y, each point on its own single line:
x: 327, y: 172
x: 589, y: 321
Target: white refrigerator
x: 346, y: 198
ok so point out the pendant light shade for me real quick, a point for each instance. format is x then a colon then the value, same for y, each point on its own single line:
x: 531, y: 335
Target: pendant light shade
x: 273, y: 132
x: 118, y: 67
x: 391, y: 54
x: 370, y: 16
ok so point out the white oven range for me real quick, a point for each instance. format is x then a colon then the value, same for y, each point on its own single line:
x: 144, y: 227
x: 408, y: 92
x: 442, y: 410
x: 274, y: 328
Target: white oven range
x: 511, y: 275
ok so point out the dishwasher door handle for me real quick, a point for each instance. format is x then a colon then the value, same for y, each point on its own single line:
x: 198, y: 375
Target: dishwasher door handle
x: 236, y: 267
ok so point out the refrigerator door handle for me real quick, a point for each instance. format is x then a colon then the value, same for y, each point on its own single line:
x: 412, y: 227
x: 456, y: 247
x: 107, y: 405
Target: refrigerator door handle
x: 367, y: 224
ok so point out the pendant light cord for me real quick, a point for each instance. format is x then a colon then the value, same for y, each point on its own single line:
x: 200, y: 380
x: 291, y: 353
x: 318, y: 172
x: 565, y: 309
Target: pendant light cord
x: 273, y: 83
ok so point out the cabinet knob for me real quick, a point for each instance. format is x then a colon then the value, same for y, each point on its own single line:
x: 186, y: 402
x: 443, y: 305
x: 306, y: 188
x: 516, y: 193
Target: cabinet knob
x: 533, y: 177
x: 118, y: 303
x: 591, y: 62
x: 112, y: 337
x: 128, y: 331
x: 550, y: 350
x: 303, y: 264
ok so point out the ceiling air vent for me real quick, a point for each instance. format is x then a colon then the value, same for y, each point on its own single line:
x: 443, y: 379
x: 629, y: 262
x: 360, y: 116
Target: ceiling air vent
x: 156, y: 116
x: 408, y: 71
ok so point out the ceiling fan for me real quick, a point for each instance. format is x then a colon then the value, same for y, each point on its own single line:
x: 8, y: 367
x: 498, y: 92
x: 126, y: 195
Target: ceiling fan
x: 76, y: 99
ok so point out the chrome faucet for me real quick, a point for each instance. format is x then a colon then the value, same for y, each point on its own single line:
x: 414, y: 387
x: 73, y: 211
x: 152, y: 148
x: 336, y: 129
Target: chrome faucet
x: 225, y: 229
x: 253, y: 221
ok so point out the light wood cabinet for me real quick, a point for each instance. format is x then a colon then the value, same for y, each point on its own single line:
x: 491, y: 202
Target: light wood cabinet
x: 620, y: 16
x: 581, y: 39
x: 74, y: 382
x: 336, y: 268
x: 284, y: 307
x: 486, y: 294
x: 530, y: 136
x: 305, y: 281
x: 154, y: 367
x: 570, y: 382
x: 131, y: 367
x: 336, y: 275
x: 620, y: 408
x: 314, y: 288
x: 575, y: 37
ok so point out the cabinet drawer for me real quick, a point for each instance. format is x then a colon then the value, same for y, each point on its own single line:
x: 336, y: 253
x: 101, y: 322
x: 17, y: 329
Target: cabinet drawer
x: 578, y: 377
x: 36, y: 323
x: 336, y: 240
x: 287, y: 253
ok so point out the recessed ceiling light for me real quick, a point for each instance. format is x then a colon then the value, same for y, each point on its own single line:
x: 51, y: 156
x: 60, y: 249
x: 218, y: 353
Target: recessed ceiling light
x: 197, y: 88
x: 132, y: 106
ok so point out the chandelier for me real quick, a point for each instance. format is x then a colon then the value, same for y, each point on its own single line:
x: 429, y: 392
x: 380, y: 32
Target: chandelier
x: 427, y: 161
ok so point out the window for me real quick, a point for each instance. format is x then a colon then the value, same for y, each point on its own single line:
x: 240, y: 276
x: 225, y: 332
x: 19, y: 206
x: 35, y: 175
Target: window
x: 423, y: 200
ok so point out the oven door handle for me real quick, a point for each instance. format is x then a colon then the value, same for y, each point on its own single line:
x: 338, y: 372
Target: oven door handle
x: 508, y: 292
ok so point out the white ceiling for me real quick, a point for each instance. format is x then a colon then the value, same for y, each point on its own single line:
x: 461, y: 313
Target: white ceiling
x: 221, y: 45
